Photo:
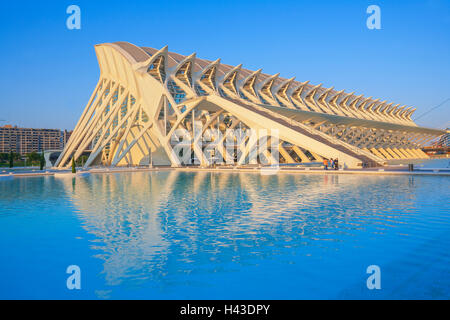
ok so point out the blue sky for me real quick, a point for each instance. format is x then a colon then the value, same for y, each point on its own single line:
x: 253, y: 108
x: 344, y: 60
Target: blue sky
x: 49, y: 72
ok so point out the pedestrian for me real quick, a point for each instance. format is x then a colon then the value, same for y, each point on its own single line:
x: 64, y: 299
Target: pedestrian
x: 331, y: 163
x: 325, y: 164
x: 336, y: 164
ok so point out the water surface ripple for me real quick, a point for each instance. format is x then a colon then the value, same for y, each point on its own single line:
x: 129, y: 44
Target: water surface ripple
x: 180, y: 235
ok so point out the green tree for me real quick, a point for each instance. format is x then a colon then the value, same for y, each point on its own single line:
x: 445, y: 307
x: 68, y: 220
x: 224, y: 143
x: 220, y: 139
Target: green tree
x: 74, y: 170
x: 33, y: 157
x: 81, y: 160
x: 11, y: 159
x: 42, y: 161
x: 4, y: 157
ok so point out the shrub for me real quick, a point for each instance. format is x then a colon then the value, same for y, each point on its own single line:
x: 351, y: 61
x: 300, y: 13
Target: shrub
x: 74, y: 170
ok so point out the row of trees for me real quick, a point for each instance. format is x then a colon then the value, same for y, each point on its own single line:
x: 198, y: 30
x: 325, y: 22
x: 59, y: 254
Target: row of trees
x: 31, y: 158
x: 15, y: 159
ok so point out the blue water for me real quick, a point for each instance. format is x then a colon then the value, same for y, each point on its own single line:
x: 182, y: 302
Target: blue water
x: 180, y: 235
x: 435, y: 163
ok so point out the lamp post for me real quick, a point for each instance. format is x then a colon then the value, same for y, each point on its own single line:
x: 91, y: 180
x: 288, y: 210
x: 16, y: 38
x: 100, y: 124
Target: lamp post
x: 212, y: 156
x: 151, y: 160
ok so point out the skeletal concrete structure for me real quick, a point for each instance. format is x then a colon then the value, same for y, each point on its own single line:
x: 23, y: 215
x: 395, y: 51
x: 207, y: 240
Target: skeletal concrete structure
x: 146, y: 96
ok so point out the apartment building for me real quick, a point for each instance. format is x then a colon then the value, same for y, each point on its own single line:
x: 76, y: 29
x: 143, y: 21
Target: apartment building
x: 27, y: 140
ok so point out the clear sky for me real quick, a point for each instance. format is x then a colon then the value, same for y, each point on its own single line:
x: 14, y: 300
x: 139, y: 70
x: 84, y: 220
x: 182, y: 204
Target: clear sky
x: 48, y: 72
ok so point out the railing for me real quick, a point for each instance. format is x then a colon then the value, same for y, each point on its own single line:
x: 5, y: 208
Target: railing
x: 356, y: 152
x: 328, y: 138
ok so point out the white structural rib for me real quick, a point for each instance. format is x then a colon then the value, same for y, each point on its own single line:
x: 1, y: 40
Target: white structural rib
x: 282, y: 93
x: 264, y: 89
x: 247, y: 87
x: 206, y: 77
x: 228, y: 82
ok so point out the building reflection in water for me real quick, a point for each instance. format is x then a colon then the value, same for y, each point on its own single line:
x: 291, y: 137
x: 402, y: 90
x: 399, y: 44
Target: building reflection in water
x: 156, y: 225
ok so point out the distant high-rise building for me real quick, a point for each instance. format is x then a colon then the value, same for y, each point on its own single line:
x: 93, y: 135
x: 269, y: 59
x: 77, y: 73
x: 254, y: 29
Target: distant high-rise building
x: 27, y: 140
x: 66, y: 136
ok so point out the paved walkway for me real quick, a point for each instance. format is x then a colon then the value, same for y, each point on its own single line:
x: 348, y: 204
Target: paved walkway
x: 389, y: 170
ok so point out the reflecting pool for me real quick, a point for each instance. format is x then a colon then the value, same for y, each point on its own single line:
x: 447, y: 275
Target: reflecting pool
x: 205, y: 235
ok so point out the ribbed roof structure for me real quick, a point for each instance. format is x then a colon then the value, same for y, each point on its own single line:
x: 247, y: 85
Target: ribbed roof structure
x: 145, y: 96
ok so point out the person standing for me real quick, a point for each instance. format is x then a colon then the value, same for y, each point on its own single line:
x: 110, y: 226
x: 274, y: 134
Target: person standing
x: 331, y: 163
x: 336, y: 164
x: 325, y: 164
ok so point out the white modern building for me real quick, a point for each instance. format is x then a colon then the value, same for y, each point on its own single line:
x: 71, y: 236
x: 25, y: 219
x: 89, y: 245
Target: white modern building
x: 159, y: 106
